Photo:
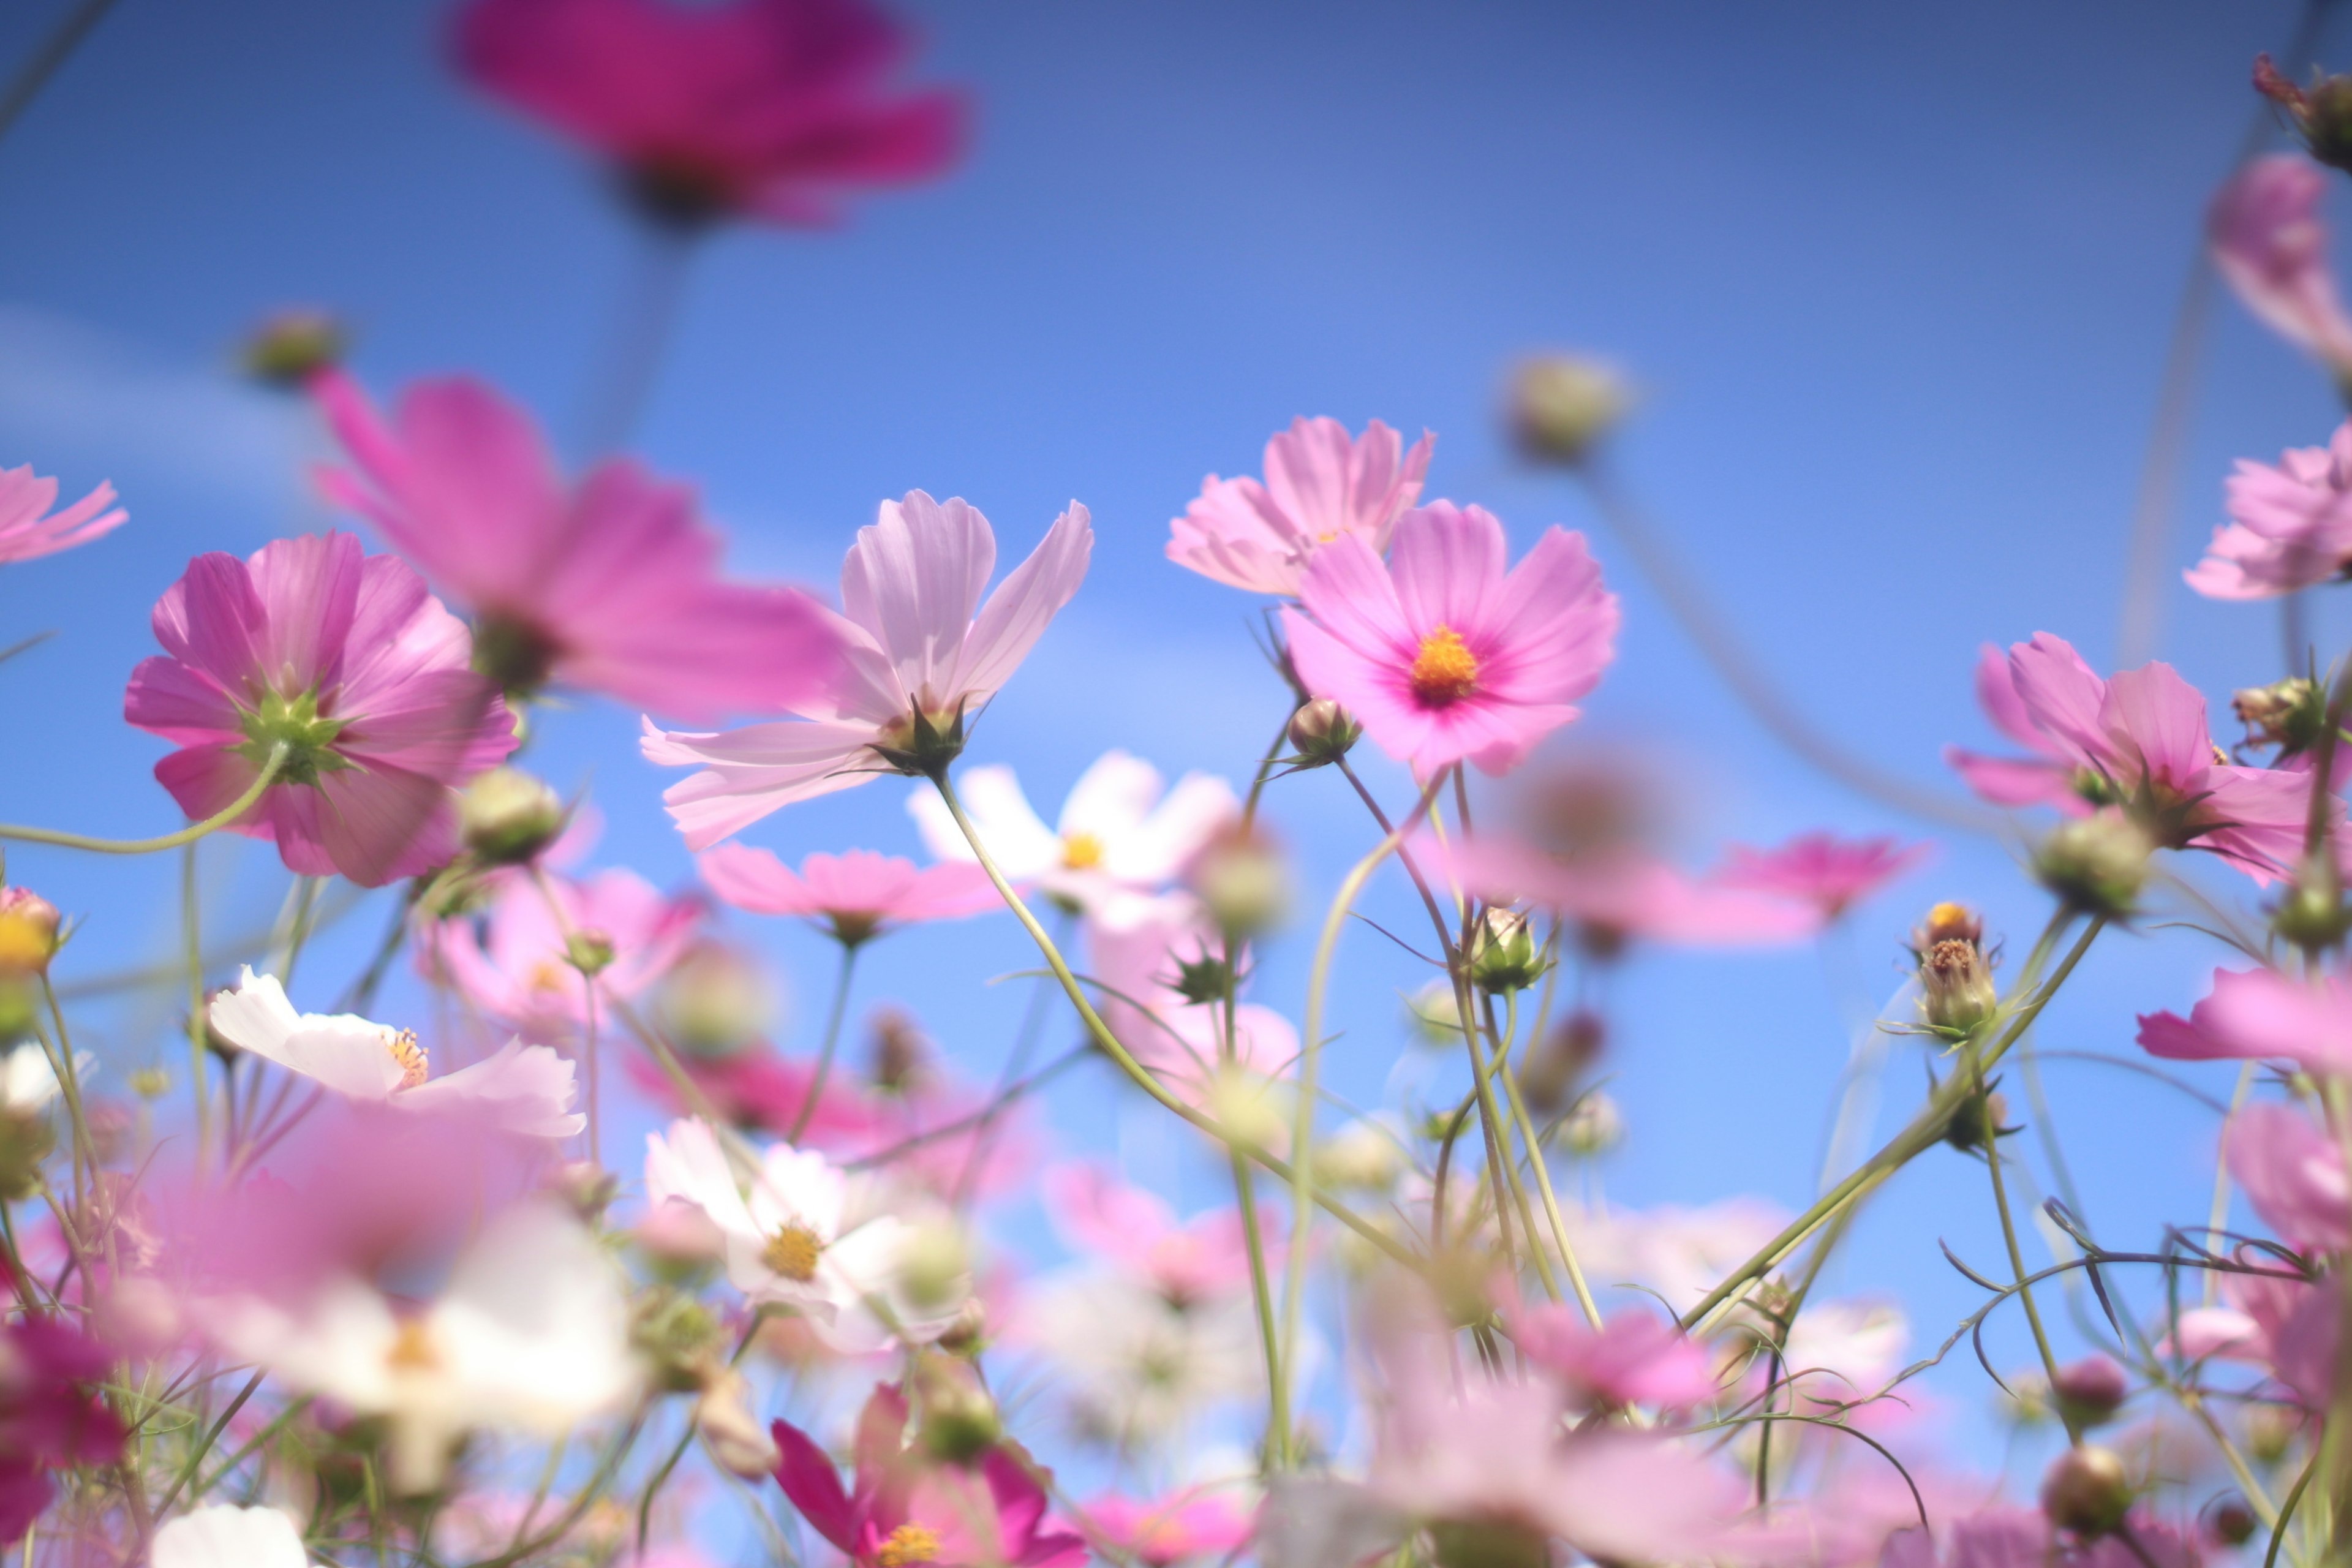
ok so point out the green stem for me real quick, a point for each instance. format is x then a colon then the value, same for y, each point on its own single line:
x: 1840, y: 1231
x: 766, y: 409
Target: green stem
x: 197, y: 1456
x: 1543, y: 1186
x: 188, y: 835
x: 1278, y: 1386
x: 2017, y: 1256
x: 197, y: 1029
x: 832, y: 1043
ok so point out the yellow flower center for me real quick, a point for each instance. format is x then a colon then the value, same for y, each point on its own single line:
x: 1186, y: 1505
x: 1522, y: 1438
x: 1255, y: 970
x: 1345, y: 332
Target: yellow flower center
x: 412, y: 1348
x: 907, y: 1545
x: 1444, y: 670
x: 410, y: 1057
x: 1081, y: 852
x: 793, y: 1252
x: 549, y: 975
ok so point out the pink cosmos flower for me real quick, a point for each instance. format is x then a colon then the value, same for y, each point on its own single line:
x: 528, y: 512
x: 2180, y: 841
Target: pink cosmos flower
x: 611, y: 585
x: 2001, y: 1536
x: 2270, y: 244
x: 2048, y: 777
x: 49, y: 1418
x: 1440, y: 653
x: 1319, y: 485
x: 770, y: 110
x: 2260, y: 1014
x: 2293, y: 1173
x: 27, y: 535
x: 2285, y: 1326
x: 924, y: 656
x: 1821, y: 869
x: 761, y: 1089
x: 1200, y: 1257
x: 1193, y: 1523
x: 1620, y: 894
x: 902, y: 1508
x: 1635, y: 1357
x: 2289, y: 527
x: 348, y: 660
x: 1140, y: 948
x: 517, y: 967
x: 857, y: 893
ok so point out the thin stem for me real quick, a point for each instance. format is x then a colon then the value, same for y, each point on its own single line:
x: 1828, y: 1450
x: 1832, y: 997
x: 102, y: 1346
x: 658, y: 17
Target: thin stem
x: 633, y: 361
x: 832, y: 1042
x: 197, y: 1030
x: 2017, y: 1257
x: 1543, y: 1186
x: 197, y: 1456
x: 47, y: 59
x: 1278, y: 1386
x: 188, y: 835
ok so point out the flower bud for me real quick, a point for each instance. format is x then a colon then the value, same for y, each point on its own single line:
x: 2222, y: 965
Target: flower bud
x: 1503, y: 956
x: 730, y: 1433
x: 2290, y: 714
x: 589, y: 952
x: 1487, y: 1543
x: 150, y: 1083
x: 584, y: 1187
x: 1554, y: 1064
x: 2087, y: 1490
x: 1363, y: 1156
x: 935, y: 1266
x: 2089, y: 1392
x: 1594, y: 1127
x: 899, y: 1052
x: 291, y: 347
x: 26, y: 1138
x: 958, y: 1420
x: 1241, y: 877
x: 1322, y: 732
x: 1242, y: 1102
x: 2271, y: 1431
x: 2096, y: 865
x: 1977, y: 1121
x: 2228, y: 1520
x: 28, y: 931
x: 506, y: 817
x: 715, y: 1002
x: 677, y: 1337
x: 2312, y: 914
x: 1560, y: 405
x: 1435, y: 1015
x: 1955, y: 988
x: 2322, y: 112
x: 1207, y: 978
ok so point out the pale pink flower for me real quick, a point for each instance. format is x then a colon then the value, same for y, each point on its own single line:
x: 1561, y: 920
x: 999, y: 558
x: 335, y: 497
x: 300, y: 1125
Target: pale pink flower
x: 516, y: 965
x: 2283, y: 1325
x: 1140, y: 948
x: 1320, y: 486
x: 2289, y: 527
x: 28, y: 531
x: 2260, y: 1014
x: 1635, y: 1357
x: 923, y: 655
x: 1819, y: 869
x: 1192, y: 1522
x: 858, y: 894
x: 2293, y: 1173
x: 2049, y: 777
x: 347, y: 659
x: 772, y: 109
x: 2270, y: 244
x: 1205, y: 1256
x: 610, y: 585
x: 1441, y: 654
x: 1616, y: 895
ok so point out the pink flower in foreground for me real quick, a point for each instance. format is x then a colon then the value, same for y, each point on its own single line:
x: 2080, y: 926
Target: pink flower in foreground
x: 1168, y: 1530
x: 1320, y: 486
x: 1617, y: 895
x: 2293, y: 1173
x: 610, y: 585
x: 1635, y: 1357
x: 2283, y: 1325
x: 903, y: 1510
x: 347, y: 660
x: 2270, y: 244
x: 771, y: 109
x: 1200, y: 1257
x: 2289, y: 527
x: 857, y: 893
x: 519, y: 969
x: 924, y: 656
x: 1817, y: 868
x: 49, y: 1418
x: 27, y: 530
x: 2048, y: 777
x: 1441, y: 653
x: 2257, y: 1015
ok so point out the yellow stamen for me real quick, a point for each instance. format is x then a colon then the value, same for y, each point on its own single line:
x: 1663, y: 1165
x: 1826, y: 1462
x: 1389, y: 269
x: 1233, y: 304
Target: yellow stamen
x: 1081, y: 852
x: 907, y: 1545
x: 793, y: 1252
x: 412, y: 1348
x: 1444, y: 670
x: 414, y: 1063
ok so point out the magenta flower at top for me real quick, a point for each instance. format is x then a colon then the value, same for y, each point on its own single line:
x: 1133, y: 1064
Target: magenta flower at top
x: 2270, y: 244
x: 1440, y: 653
x: 610, y: 585
x: 1319, y: 485
x: 857, y: 893
x: 348, y: 661
x: 923, y: 655
x: 770, y: 110
x: 2291, y: 526
x: 1820, y: 869
x: 28, y: 531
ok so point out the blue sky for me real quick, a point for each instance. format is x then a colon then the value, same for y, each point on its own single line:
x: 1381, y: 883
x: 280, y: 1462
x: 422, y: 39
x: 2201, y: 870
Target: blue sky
x: 1894, y: 281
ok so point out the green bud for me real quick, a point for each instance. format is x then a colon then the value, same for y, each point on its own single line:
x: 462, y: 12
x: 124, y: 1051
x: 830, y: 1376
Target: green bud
x: 1561, y: 406
x: 957, y: 1420
x: 291, y: 347
x: 2312, y: 914
x: 1321, y: 733
x: 1435, y: 1017
x: 2096, y: 865
x: 715, y: 1002
x: 1241, y: 877
x: 1503, y: 956
x: 506, y: 817
x: 935, y: 1268
x: 1977, y: 1121
x: 589, y: 952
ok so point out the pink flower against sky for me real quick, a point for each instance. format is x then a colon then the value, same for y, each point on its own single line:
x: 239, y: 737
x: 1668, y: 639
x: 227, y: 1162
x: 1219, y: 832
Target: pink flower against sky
x: 2293, y: 1173
x: 610, y: 585
x: 1138, y: 948
x: 28, y: 531
x: 2285, y: 1326
x: 856, y: 893
x: 2289, y: 527
x: 924, y: 656
x: 1821, y: 869
x: 1616, y: 895
x: 2049, y: 776
x: 1202, y: 1256
x: 1441, y: 654
x: 1635, y: 1357
x: 2269, y: 242
x: 517, y: 967
x: 2259, y: 1015
x: 347, y: 659
x: 1193, y: 1523
x: 1319, y: 485
x: 1121, y: 827
x: 773, y: 110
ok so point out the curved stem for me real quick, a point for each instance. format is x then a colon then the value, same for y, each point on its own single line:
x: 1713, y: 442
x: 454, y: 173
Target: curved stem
x: 55, y: 50
x: 633, y: 361
x: 832, y: 1043
x: 2016, y: 1255
x: 1277, y: 1384
x: 188, y: 835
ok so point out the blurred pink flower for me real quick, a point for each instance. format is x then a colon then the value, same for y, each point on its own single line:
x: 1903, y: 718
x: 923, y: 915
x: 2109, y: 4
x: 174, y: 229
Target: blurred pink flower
x: 857, y: 893
x: 350, y: 662
x: 1193, y: 1523
x: 518, y: 967
x: 2285, y: 1326
x: 1319, y: 485
x: 1615, y: 896
x: 2259, y: 1015
x: 49, y: 1416
x: 2269, y: 242
x: 2293, y: 1173
x: 1635, y: 1357
x: 924, y: 655
x: 2289, y: 527
x: 902, y: 1508
x: 1204, y: 1256
x: 612, y: 585
x: 27, y: 535
x: 772, y: 109
x: 1140, y: 948
x: 762, y: 1090
x: 1441, y: 653
x: 2048, y: 777
x: 1820, y: 869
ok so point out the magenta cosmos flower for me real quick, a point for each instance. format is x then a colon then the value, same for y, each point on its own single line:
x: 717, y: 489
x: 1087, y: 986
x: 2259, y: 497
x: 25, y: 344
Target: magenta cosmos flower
x: 923, y: 655
x: 1617, y: 895
x: 2260, y: 1014
x: 1819, y: 869
x: 516, y: 966
x: 1319, y: 484
x: 346, y: 660
x: 771, y: 109
x: 2270, y: 244
x: 610, y: 585
x: 2290, y: 526
x: 2048, y: 775
x: 857, y: 893
x: 51, y: 1419
x: 1441, y: 653
x: 27, y: 529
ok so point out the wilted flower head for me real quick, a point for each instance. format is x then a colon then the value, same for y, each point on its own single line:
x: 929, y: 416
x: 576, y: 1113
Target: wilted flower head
x: 1320, y: 485
x: 857, y: 893
x: 28, y: 531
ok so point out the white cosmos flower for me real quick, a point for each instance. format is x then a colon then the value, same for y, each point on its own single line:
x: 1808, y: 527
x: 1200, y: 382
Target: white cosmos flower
x: 531, y: 1335
x: 526, y: 1089
x: 1137, y: 1370
x: 28, y: 1083
x: 1120, y: 828
x: 794, y: 1240
x: 225, y: 1536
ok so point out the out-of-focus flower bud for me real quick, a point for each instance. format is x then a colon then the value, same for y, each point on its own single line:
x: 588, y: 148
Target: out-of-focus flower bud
x: 1594, y: 1127
x: 26, y: 1138
x: 678, y: 1239
x: 2271, y: 1431
x: 2322, y: 112
x: 589, y: 952
x: 935, y: 1268
x: 1241, y: 878
x: 1247, y: 1107
x: 28, y: 931
x: 958, y: 1420
x: 1435, y: 1017
x: 1362, y: 1156
x: 2097, y: 865
x: 1555, y: 1063
x: 730, y: 1433
x: 1503, y: 956
x: 2312, y: 914
x: 715, y: 1002
x: 506, y: 817
x: 899, y: 1054
x: 1562, y: 406
x: 2026, y: 1401
x: 293, y: 345
x: 1978, y: 1120
x: 2228, y: 1520
x: 150, y: 1083
x: 677, y: 1337
x: 1955, y: 988
x: 1206, y: 978
x: 2089, y: 1392
x: 1321, y: 733
x: 584, y: 1187
x: 967, y: 1335
x: 2290, y: 714
x: 2087, y: 1490
x: 1488, y: 1543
